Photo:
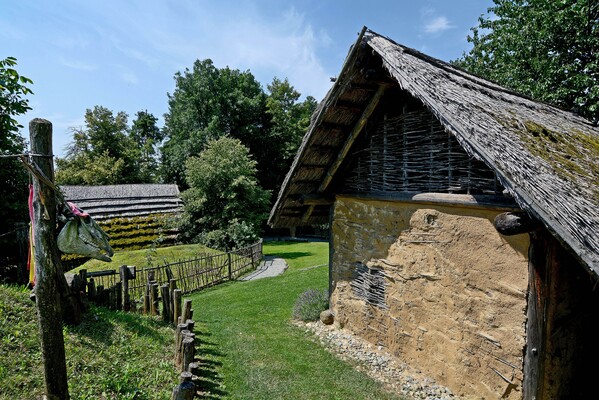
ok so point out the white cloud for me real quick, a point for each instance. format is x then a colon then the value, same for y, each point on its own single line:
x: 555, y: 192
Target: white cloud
x: 438, y: 24
x: 76, y: 64
x: 130, y: 77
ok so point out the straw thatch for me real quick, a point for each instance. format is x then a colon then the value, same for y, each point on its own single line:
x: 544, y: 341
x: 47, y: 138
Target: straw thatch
x: 113, y: 201
x: 545, y: 158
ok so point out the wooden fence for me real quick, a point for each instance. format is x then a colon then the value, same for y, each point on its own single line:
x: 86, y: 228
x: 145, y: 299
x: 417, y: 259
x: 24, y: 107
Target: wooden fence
x: 129, y: 287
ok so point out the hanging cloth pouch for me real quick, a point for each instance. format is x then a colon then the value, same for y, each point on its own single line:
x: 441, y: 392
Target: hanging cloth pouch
x: 83, y: 236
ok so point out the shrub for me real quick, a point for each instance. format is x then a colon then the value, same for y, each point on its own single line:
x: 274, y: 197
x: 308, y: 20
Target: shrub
x: 310, y: 304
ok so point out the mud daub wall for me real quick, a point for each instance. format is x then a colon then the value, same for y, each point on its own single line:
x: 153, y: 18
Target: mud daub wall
x: 438, y: 287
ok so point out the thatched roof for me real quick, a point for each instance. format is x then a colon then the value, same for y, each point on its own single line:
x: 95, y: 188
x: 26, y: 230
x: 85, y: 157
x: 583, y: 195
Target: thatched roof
x: 112, y: 201
x: 547, y: 158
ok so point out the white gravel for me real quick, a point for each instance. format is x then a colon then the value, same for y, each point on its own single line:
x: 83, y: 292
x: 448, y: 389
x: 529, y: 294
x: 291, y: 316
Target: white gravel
x: 376, y: 363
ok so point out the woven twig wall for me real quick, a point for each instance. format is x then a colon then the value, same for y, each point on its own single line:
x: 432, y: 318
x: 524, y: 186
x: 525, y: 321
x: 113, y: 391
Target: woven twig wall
x: 413, y: 153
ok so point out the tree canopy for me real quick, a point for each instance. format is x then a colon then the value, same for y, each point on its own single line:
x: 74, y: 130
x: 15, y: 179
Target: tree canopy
x: 224, y: 205
x: 546, y: 49
x: 210, y: 102
x: 13, y: 177
x: 108, y: 152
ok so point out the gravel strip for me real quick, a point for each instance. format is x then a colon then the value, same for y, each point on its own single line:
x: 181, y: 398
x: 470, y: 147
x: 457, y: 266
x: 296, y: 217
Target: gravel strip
x: 376, y: 363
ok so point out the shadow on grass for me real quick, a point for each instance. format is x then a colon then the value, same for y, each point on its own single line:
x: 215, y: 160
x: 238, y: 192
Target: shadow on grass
x: 99, y: 323
x: 291, y: 255
x: 210, y: 382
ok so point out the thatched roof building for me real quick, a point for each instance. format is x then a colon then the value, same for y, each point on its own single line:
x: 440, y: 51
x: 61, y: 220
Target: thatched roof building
x: 464, y: 223
x: 135, y: 200
x: 545, y: 157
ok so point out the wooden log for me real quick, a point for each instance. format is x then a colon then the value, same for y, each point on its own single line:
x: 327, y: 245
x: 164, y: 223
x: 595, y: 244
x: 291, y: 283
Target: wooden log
x: 118, y: 296
x: 146, y: 303
x: 124, y: 275
x: 177, y: 304
x: 188, y: 351
x: 156, y: 300
x: 83, y: 278
x: 186, y: 310
x: 91, y: 289
x: 190, y: 324
x: 179, y: 344
x: 194, y: 368
x: 166, y: 309
x: 514, y: 223
x: 185, y: 390
x: 48, y: 269
x: 172, y: 285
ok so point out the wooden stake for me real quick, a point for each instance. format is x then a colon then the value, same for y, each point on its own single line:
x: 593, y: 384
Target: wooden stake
x: 177, y: 304
x: 186, y: 310
x: 166, y: 309
x: 124, y: 273
x: 48, y: 269
x: 185, y: 390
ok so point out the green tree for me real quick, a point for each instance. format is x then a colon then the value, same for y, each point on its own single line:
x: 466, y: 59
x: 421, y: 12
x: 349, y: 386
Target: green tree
x: 224, y: 205
x: 103, y: 153
x: 209, y: 103
x: 147, y: 136
x: 546, y: 49
x: 288, y: 120
x: 13, y: 177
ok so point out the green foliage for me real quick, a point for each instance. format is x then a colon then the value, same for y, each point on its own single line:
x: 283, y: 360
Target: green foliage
x: 208, y: 103
x: 112, y: 354
x: 106, y: 153
x: 224, y: 206
x: 146, y: 135
x: 288, y: 120
x: 13, y: 177
x: 546, y: 49
x: 310, y: 304
x: 13, y: 89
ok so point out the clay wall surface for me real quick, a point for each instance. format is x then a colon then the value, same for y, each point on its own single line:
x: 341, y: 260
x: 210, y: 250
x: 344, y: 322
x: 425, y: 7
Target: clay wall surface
x: 438, y: 287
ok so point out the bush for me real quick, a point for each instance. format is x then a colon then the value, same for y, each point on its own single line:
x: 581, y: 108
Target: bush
x: 310, y: 304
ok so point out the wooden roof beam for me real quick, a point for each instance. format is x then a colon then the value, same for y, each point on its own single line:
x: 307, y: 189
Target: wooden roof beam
x: 376, y: 98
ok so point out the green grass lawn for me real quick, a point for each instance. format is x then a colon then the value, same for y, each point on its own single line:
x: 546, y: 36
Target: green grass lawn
x: 249, y: 348
x: 145, y: 257
x: 110, y: 355
x: 253, y: 351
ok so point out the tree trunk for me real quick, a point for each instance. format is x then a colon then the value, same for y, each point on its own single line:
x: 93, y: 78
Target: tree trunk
x: 48, y: 269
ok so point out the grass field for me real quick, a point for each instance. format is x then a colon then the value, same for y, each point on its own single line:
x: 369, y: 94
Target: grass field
x: 252, y: 349
x: 147, y: 257
x: 249, y: 348
x: 111, y: 355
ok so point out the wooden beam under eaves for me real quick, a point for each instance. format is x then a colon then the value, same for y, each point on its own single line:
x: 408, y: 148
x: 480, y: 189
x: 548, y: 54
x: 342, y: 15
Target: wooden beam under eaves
x: 352, y: 136
x: 357, y: 129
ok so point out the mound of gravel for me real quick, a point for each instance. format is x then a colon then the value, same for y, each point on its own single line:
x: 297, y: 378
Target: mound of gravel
x: 376, y: 363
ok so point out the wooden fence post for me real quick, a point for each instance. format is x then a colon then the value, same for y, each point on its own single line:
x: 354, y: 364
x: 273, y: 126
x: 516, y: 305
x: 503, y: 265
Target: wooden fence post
x: 48, y: 270
x: 177, y: 305
x: 124, y: 273
x: 172, y: 285
x: 229, y: 264
x: 186, y: 310
x: 166, y: 301
x: 185, y: 390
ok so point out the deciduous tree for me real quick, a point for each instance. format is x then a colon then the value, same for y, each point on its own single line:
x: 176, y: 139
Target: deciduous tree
x: 13, y: 177
x: 224, y: 205
x: 547, y: 49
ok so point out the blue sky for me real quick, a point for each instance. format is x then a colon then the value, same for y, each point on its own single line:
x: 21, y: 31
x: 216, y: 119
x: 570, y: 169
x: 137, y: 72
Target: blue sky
x: 123, y: 54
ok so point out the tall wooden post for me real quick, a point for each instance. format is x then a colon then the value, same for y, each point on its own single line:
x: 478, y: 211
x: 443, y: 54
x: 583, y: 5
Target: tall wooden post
x: 47, y: 265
